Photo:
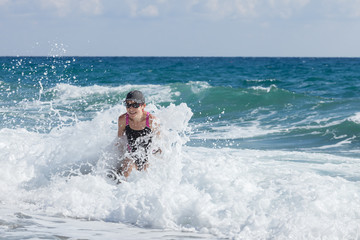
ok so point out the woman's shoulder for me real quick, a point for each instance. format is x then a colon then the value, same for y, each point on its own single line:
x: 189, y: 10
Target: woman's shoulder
x: 151, y: 116
x: 153, y: 121
x: 122, y: 118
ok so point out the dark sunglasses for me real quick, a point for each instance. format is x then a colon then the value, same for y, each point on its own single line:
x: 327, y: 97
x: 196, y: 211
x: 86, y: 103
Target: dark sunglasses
x: 134, y: 105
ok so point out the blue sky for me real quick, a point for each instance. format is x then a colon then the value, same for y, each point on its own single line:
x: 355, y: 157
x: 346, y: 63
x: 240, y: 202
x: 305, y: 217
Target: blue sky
x: 315, y: 28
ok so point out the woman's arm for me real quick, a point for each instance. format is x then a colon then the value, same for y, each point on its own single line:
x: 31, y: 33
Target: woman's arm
x: 154, y: 125
x: 121, y: 125
x: 155, y: 128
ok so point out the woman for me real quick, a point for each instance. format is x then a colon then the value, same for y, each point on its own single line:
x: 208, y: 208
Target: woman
x: 137, y: 125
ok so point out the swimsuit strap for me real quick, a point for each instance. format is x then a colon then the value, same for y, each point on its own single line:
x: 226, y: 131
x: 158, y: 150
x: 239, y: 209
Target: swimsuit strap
x: 127, y: 124
x: 147, y: 119
x: 127, y: 119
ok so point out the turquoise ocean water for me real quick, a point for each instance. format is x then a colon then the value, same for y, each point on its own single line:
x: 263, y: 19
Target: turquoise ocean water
x: 254, y: 148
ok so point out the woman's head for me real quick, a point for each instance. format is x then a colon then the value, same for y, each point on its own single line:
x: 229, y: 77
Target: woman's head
x: 135, y: 103
x: 135, y: 96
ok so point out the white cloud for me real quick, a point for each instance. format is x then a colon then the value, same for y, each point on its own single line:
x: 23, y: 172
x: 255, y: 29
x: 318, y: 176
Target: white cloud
x: 133, y: 7
x: 141, y: 9
x: 219, y: 9
x: 149, y: 11
x: 246, y: 7
x: 3, y: 2
x: 62, y: 7
x: 207, y: 9
x: 93, y: 7
x: 286, y: 8
x: 66, y: 7
x: 348, y: 8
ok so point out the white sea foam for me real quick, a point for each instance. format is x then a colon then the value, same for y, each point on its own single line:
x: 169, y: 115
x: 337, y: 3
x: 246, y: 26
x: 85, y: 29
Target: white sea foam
x: 339, y: 144
x: 262, y: 80
x: 266, y: 89
x: 231, y: 193
x: 355, y: 118
x: 254, y: 128
x: 198, y: 86
x: 232, y: 131
x: 154, y: 93
x: 70, y: 103
x: 28, y: 225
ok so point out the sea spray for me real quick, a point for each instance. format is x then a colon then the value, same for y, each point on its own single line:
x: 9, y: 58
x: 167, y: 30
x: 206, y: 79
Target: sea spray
x: 57, y: 183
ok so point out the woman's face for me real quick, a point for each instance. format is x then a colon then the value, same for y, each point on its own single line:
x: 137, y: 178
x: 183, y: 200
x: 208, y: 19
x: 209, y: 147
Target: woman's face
x: 134, y: 109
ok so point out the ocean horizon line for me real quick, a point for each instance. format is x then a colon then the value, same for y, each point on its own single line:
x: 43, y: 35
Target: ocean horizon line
x: 107, y: 56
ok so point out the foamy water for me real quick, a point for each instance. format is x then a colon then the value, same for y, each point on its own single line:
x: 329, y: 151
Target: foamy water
x: 236, y: 193
x: 254, y: 170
